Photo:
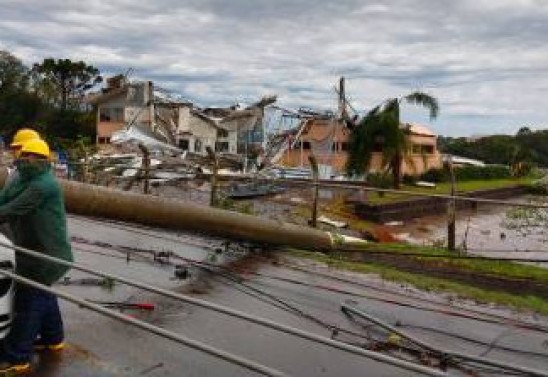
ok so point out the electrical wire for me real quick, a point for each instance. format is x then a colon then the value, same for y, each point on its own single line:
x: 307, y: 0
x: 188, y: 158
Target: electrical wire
x: 472, y: 340
x: 444, y: 353
x: 123, y: 226
x: 281, y: 304
x: 485, y: 317
x: 238, y: 360
x: 494, y: 318
x: 237, y: 314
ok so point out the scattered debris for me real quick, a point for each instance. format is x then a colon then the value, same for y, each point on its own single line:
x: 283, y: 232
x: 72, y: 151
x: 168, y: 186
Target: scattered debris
x: 297, y: 200
x: 181, y: 272
x: 425, y: 184
x: 252, y: 190
x: 150, y: 369
x: 394, y: 223
x: 334, y: 223
x: 97, y: 282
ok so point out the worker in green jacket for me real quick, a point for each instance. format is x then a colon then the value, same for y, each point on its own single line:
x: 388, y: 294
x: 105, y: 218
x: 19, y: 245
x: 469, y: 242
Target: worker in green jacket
x: 33, y: 206
x: 21, y: 137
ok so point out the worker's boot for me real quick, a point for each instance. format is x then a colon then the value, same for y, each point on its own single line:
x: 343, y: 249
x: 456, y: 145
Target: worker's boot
x: 10, y: 368
x: 40, y: 346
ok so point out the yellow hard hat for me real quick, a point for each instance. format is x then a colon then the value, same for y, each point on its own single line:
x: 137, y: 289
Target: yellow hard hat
x: 36, y: 146
x: 24, y: 135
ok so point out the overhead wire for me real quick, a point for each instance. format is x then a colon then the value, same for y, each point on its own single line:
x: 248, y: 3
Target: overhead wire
x: 364, y: 187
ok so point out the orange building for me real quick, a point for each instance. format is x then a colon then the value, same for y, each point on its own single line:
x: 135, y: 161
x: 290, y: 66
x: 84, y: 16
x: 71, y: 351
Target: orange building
x: 328, y: 141
x: 120, y: 103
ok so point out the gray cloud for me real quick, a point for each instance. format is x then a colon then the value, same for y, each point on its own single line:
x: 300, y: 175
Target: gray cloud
x: 484, y: 59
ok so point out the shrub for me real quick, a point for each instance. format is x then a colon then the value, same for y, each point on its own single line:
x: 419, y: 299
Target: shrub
x: 379, y: 180
x: 468, y: 173
x: 435, y: 175
x: 409, y: 179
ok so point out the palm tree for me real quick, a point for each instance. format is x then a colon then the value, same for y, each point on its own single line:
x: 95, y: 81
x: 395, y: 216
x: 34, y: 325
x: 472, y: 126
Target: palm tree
x: 380, y: 130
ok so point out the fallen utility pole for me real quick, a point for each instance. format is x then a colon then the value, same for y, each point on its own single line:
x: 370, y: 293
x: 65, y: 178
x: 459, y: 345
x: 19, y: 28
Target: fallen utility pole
x: 97, y: 201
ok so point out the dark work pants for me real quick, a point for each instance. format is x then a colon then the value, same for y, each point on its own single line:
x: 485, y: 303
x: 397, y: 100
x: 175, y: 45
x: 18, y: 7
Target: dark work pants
x: 36, y: 315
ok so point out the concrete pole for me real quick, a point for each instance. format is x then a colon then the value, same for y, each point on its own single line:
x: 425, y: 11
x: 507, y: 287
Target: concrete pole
x: 97, y: 201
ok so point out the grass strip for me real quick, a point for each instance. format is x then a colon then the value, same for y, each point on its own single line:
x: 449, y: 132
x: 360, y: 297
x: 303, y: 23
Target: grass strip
x: 431, y: 284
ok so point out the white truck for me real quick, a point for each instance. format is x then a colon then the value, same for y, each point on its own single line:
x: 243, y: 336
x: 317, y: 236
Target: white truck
x: 7, y: 260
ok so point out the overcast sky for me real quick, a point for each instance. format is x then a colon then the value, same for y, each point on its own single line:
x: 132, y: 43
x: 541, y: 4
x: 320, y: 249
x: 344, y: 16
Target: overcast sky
x: 485, y: 60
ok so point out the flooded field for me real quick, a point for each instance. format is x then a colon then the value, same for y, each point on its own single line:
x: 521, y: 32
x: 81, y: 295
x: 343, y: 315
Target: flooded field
x: 484, y: 231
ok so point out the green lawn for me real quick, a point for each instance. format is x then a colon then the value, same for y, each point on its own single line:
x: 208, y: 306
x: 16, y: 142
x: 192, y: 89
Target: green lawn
x: 427, y: 283
x: 504, y: 269
x: 445, y: 188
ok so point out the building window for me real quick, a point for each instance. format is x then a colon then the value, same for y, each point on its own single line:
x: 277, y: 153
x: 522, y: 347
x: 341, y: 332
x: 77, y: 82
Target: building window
x: 222, y: 133
x: 103, y: 140
x: 221, y: 146
x: 428, y: 149
x: 423, y: 149
x: 306, y: 144
x: 344, y: 146
x: 198, y: 145
x: 184, y: 144
x: 107, y: 114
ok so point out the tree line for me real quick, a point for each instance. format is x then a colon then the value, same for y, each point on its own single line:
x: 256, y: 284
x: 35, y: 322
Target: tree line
x: 526, y: 146
x: 48, y: 97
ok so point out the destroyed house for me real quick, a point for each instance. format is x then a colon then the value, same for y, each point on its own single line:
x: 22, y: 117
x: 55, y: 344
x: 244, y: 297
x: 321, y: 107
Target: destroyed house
x: 170, y: 117
x: 328, y: 139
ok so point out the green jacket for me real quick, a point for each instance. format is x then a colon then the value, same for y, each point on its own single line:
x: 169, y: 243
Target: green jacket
x: 34, y: 207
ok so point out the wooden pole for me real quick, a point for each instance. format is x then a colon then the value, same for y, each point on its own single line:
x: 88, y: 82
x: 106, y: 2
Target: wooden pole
x: 146, y: 169
x: 213, y: 181
x: 85, y: 166
x: 315, y: 179
x: 451, y: 231
x: 342, y: 99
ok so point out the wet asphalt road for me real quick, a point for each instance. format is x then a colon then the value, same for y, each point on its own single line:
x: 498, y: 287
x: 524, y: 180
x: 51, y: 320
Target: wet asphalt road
x: 99, y: 346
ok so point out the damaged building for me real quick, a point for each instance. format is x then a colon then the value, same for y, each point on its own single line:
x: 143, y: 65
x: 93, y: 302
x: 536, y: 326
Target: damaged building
x: 175, y: 120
